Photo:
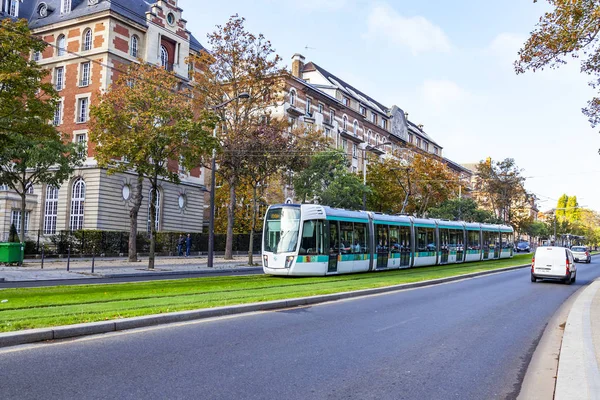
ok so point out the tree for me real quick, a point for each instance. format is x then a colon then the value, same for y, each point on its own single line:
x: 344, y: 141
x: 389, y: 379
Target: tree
x: 146, y: 119
x: 572, y: 212
x: 463, y: 209
x: 27, y: 160
x: 570, y: 30
x: 561, y: 207
x: 502, y: 187
x: 239, y: 62
x: 537, y: 229
x: 27, y: 101
x: 327, y: 181
x: 411, y: 187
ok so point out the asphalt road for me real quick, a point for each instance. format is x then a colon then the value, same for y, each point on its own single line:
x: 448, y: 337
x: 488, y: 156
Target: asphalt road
x: 469, y: 339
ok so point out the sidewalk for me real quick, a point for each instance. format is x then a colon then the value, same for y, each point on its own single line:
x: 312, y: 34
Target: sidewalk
x: 81, y: 268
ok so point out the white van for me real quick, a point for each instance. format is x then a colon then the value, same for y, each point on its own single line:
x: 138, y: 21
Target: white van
x: 555, y: 263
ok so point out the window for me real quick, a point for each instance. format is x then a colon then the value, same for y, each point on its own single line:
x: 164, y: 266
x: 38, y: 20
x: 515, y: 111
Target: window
x: 157, y: 210
x: 410, y: 138
x: 3, y: 187
x: 50, y: 210
x: 320, y: 108
x: 164, y: 57
x: 383, y: 123
x: 345, y: 145
x: 171, y: 18
x: 362, y: 110
x: 61, y: 45
x: 355, y: 128
x: 425, y: 145
x: 133, y: 48
x: 373, y: 118
x: 13, y: 8
x: 354, y: 150
x: 87, y: 40
x: 418, y: 142
x: 331, y: 116
x: 15, y: 219
x: 58, y: 114
x: 59, y: 78
x: 81, y: 140
x: 77, y: 205
x: 313, y: 239
x: 37, y: 55
x: 84, y: 71
x: 425, y: 240
x: 293, y: 97
x: 346, y: 101
x: 65, y: 6
x: 29, y: 189
x: 327, y: 132
x: 82, y: 109
x: 369, y: 136
x: 344, y: 122
x: 436, y: 151
x: 308, y: 101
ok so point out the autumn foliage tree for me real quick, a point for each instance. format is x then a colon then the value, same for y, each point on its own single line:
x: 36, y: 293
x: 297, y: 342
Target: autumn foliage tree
x: 146, y: 119
x: 239, y: 63
x: 569, y: 31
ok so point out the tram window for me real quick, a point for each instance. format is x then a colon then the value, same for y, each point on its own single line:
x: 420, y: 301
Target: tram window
x: 346, y: 230
x: 360, y: 239
x: 381, y: 241
x: 455, y: 239
x: 425, y: 239
x: 394, y: 239
x: 444, y: 239
x: 404, y: 238
x: 312, y: 238
x: 473, y: 240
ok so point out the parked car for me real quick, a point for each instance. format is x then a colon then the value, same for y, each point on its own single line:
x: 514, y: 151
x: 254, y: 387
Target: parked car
x: 581, y: 253
x: 522, y: 246
x: 556, y: 263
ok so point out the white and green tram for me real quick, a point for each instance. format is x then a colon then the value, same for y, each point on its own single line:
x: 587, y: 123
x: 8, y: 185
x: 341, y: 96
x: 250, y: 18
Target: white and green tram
x: 314, y: 240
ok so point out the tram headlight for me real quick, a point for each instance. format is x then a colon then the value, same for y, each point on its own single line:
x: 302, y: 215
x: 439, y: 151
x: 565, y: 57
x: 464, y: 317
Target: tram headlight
x: 288, y: 261
x: 266, y: 261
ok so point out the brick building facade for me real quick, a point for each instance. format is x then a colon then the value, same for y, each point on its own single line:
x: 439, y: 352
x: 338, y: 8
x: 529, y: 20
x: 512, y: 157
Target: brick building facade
x: 90, y: 42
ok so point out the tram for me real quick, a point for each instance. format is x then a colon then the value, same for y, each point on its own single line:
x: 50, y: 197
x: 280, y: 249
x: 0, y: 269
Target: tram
x: 315, y: 240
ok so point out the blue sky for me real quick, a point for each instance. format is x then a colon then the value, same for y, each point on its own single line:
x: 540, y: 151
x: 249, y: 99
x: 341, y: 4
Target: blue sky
x: 449, y: 65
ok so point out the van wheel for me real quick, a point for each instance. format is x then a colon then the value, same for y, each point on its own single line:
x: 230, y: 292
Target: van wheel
x: 574, y: 278
x: 533, y: 278
x: 568, y: 281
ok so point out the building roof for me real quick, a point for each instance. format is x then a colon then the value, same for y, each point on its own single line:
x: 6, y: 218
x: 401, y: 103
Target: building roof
x: 345, y: 87
x: 134, y: 10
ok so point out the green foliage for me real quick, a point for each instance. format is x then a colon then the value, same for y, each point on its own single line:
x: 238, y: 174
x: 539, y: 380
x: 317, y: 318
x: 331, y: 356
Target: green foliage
x: 327, y: 180
x: 464, y: 209
x: 537, y: 229
x: 561, y: 207
x: 572, y: 213
x: 26, y: 102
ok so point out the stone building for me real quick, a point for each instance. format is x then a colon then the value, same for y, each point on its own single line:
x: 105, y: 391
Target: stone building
x: 90, y: 41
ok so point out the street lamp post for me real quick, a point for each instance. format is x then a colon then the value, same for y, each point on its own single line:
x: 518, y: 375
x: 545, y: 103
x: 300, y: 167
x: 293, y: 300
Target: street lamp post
x: 364, y: 149
x: 213, y: 166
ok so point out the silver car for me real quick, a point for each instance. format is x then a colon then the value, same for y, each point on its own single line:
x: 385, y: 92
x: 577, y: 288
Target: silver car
x: 581, y: 254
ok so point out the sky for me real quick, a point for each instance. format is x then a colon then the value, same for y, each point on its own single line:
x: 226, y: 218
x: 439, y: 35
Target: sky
x: 449, y: 64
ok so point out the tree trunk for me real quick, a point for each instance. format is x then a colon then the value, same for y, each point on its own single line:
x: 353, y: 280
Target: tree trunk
x: 230, y: 221
x: 253, y: 227
x: 133, y: 218
x: 22, y: 222
x: 151, y: 256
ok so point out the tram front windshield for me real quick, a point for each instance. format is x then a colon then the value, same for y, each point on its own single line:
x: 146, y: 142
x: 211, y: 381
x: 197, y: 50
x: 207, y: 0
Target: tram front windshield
x: 282, y: 226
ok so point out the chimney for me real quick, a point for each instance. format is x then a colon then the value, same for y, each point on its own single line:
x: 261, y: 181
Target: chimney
x: 297, y: 65
x: 421, y: 126
x: 406, y: 115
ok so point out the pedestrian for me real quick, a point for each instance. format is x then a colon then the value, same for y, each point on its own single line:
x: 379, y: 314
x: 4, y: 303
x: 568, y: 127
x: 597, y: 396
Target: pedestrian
x: 180, y: 244
x: 188, y: 244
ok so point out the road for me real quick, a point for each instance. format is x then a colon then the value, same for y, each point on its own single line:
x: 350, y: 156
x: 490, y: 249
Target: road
x: 470, y: 339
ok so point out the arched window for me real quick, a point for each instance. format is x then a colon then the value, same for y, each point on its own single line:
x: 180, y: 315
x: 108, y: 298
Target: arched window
x: 133, y: 49
x: 355, y: 127
x: 344, y: 122
x: 87, y: 40
x: 369, y: 136
x: 157, y: 216
x: 293, y: 97
x: 61, y: 45
x: 164, y: 57
x: 50, y: 210
x: 77, y: 205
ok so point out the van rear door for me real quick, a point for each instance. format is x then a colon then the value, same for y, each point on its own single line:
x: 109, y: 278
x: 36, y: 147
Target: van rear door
x: 550, y: 261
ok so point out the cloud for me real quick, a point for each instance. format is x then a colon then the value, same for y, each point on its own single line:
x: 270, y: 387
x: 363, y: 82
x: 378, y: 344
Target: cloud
x: 416, y: 33
x: 442, y: 96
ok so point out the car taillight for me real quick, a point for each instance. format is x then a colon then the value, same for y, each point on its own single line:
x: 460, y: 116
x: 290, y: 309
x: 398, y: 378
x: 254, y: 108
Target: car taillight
x: 568, y: 267
x: 532, y: 263
x: 587, y: 253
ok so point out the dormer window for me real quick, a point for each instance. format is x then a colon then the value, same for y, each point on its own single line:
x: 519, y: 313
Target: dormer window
x: 13, y: 8
x: 65, y: 6
x: 346, y: 101
x: 42, y: 10
x: 363, y: 110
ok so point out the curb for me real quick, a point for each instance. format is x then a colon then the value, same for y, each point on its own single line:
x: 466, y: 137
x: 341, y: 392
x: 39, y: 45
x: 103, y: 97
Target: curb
x: 169, y: 273
x: 69, y: 331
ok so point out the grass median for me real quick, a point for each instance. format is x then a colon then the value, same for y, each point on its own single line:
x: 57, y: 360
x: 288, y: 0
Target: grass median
x: 64, y: 305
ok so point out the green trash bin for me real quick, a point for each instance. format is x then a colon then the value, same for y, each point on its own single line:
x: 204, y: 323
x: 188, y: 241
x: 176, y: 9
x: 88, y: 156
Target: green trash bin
x: 11, y: 253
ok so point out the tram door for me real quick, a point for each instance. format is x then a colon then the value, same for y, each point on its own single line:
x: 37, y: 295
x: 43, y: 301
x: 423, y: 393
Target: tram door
x: 334, y: 246
x: 382, y: 246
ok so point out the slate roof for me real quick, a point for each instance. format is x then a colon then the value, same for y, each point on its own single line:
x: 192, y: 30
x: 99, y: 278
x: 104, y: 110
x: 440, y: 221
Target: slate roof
x: 135, y: 10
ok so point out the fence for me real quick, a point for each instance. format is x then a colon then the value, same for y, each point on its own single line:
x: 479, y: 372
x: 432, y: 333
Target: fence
x: 115, y: 243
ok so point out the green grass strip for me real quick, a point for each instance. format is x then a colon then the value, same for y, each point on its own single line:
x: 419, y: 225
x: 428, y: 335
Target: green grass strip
x: 64, y: 305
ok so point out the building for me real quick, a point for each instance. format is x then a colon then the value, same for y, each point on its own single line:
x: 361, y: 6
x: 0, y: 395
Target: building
x: 90, y: 41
